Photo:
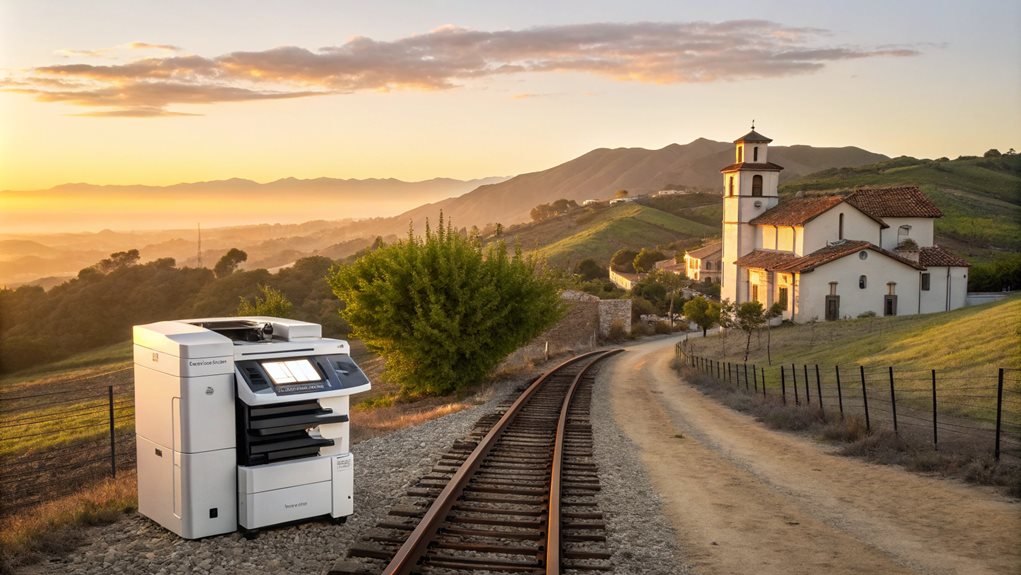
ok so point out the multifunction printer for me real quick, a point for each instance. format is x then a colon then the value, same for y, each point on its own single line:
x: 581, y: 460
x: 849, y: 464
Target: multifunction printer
x: 242, y: 422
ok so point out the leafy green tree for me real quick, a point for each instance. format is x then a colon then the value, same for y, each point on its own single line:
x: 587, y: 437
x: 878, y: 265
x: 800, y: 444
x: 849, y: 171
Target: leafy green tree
x: 589, y: 270
x: 272, y: 303
x: 725, y: 321
x: 443, y: 312
x: 228, y: 264
x: 749, y: 317
x: 992, y: 153
x: 702, y: 312
x: 623, y: 260
x: 118, y: 260
x: 646, y: 260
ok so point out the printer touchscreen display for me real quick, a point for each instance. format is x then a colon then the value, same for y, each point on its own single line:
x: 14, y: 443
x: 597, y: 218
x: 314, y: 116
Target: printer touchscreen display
x: 291, y: 371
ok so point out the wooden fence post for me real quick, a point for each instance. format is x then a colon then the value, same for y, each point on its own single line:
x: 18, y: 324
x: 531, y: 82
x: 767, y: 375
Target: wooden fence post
x: 113, y: 435
x: 935, y: 433
x: 783, y: 385
x: 893, y: 401
x: 818, y: 389
x: 999, y: 412
x: 808, y: 394
x: 840, y: 394
x: 865, y: 398
x: 794, y: 375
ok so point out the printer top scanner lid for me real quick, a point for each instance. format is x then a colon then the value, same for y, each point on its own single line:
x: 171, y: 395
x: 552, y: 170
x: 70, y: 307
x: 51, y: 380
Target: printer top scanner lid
x: 217, y: 336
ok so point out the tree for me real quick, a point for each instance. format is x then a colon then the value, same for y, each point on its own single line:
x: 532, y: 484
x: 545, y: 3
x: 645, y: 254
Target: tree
x: 749, y: 317
x: 588, y: 269
x: 702, y: 312
x: 992, y: 153
x: 118, y: 260
x: 774, y: 311
x: 726, y: 321
x: 646, y: 259
x: 273, y: 303
x: 621, y: 194
x: 228, y: 264
x: 623, y: 260
x: 441, y: 311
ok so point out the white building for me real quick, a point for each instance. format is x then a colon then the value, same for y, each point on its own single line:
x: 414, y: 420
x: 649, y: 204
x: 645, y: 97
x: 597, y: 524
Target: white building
x: 703, y: 264
x: 831, y: 257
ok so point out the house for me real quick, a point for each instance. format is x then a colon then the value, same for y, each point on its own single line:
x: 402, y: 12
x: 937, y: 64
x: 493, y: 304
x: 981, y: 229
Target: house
x: 834, y: 256
x: 669, y: 266
x: 624, y: 280
x: 703, y: 264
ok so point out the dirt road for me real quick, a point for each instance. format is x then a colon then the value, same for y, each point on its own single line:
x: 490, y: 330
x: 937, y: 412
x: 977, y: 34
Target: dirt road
x: 746, y: 499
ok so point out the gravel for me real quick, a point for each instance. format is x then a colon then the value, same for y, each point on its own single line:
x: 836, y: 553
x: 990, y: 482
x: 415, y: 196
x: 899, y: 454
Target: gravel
x: 641, y: 539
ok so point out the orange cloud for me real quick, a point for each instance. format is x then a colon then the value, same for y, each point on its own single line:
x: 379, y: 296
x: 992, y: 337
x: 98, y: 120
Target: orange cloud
x: 647, y: 52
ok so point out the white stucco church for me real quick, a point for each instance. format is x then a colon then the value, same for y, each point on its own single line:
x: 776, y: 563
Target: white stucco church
x: 831, y: 257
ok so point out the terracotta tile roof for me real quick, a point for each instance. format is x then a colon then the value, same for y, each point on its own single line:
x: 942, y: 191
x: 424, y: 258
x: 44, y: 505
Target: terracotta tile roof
x: 706, y: 250
x: 767, y: 167
x: 796, y: 211
x: 765, y: 259
x: 899, y: 202
x: 835, y: 252
x: 939, y: 257
x: 752, y: 136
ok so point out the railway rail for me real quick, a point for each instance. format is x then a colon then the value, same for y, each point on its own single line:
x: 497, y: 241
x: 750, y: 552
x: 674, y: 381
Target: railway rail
x: 516, y: 496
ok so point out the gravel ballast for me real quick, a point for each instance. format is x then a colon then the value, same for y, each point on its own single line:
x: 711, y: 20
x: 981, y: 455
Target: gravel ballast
x: 640, y: 538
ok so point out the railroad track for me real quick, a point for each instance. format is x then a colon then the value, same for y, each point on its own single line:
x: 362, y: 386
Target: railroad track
x: 517, y: 496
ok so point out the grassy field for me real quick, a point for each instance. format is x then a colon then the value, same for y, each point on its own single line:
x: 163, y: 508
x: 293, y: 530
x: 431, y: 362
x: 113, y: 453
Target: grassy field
x: 631, y: 225
x: 92, y: 363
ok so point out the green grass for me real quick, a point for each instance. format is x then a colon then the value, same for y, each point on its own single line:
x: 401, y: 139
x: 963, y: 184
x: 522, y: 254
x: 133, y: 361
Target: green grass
x: 965, y: 346
x: 85, y: 364
x: 631, y: 225
x: 53, y: 426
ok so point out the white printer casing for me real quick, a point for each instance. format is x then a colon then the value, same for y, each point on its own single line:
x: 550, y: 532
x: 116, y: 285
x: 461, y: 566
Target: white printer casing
x: 242, y: 422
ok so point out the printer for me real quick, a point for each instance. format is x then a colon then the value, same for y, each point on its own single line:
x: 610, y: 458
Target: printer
x: 242, y: 423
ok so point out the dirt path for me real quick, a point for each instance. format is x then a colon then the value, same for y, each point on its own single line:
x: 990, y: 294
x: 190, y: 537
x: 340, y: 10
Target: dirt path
x: 746, y: 499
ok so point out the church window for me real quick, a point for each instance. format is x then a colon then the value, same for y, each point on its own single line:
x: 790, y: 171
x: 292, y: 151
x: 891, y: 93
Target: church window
x: 840, y: 228
x: 863, y: 255
x: 863, y: 282
x: 756, y: 185
x: 755, y: 154
x: 833, y: 288
x: 755, y: 292
x: 740, y: 154
x: 925, y: 282
x: 891, y: 288
x: 782, y: 298
x: 731, y: 185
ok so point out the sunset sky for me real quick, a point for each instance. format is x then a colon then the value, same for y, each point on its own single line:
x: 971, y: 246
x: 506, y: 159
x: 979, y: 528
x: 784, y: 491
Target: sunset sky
x: 119, y: 92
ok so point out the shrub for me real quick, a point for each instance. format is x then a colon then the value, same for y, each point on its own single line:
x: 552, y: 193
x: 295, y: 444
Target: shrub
x: 441, y: 311
x: 866, y: 314
x: 616, y: 333
x: 662, y: 327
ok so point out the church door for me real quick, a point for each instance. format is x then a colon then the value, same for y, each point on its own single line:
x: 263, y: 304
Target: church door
x: 832, y: 307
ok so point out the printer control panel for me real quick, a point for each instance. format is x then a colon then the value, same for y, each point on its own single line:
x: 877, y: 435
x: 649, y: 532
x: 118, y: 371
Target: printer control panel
x: 299, y: 375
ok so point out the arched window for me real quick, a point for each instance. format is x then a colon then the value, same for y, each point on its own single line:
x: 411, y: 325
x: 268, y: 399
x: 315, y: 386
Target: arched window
x: 731, y: 185
x: 840, y: 228
x: 863, y: 282
x: 740, y: 154
x: 755, y: 154
x: 756, y: 185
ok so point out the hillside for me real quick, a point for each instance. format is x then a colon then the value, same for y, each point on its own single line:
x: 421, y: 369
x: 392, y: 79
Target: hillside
x: 601, y: 172
x: 979, y: 197
x: 598, y: 231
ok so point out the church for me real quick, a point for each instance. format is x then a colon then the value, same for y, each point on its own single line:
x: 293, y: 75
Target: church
x: 831, y: 257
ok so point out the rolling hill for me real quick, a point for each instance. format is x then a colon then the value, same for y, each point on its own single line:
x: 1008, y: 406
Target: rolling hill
x: 601, y: 172
x: 598, y: 231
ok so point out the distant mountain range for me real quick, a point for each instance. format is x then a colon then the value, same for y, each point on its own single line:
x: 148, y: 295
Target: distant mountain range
x: 79, y: 207
x: 602, y: 172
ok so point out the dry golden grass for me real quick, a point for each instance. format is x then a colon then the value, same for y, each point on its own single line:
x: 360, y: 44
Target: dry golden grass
x: 377, y: 421
x: 49, y: 528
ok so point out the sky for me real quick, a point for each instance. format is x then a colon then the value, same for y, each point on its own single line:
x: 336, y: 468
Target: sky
x: 148, y: 92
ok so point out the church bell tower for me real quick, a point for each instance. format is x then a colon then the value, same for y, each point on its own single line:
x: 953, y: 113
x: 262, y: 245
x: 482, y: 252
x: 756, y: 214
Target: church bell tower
x: 749, y: 189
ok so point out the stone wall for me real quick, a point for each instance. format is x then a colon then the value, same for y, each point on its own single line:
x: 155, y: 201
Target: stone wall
x: 611, y: 310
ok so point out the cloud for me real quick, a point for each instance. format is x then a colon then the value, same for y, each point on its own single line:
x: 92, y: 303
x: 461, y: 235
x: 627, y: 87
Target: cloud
x: 446, y: 58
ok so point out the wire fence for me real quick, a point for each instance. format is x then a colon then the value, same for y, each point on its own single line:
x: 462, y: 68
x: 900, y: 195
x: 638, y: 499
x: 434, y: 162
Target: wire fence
x: 948, y: 408
x: 54, y: 442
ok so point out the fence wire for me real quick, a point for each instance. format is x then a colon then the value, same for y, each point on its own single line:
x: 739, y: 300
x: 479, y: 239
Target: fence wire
x: 983, y: 410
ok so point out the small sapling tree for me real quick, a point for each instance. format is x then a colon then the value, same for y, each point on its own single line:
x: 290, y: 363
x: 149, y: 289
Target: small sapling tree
x: 749, y: 317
